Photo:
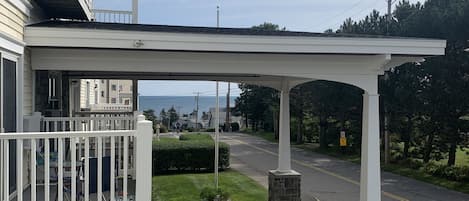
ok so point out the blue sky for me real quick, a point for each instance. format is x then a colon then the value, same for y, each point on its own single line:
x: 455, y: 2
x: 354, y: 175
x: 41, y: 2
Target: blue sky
x: 295, y: 15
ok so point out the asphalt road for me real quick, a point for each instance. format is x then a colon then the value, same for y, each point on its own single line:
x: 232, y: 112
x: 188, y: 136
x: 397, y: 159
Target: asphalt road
x: 325, y: 178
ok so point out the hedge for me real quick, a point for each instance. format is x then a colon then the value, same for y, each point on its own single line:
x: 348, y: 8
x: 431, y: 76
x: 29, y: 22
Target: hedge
x: 185, y: 137
x: 188, y: 155
x: 452, y: 173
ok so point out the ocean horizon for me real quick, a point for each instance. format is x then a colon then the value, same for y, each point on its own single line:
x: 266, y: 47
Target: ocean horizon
x: 182, y: 104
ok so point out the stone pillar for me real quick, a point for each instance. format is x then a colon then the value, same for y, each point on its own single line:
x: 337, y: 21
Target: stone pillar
x: 284, y: 186
x: 370, y: 178
x: 284, y: 183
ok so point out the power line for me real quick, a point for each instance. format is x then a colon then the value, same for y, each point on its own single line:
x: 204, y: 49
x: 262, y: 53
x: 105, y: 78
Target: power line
x: 343, y: 12
x: 357, y: 13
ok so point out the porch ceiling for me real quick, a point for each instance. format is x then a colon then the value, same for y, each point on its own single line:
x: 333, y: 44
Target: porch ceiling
x: 68, y: 9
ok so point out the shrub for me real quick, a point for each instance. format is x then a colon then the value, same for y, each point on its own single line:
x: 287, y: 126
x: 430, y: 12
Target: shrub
x: 198, y: 136
x: 412, y: 163
x: 163, y: 128
x: 211, y: 194
x: 210, y: 130
x: 234, y: 127
x: 454, y: 173
x: 191, y: 153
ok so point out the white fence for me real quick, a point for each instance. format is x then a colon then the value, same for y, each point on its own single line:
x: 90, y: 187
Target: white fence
x: 74, y: 160
x: 94, y: 123
x: 113, y: 16
x: 111, y: 107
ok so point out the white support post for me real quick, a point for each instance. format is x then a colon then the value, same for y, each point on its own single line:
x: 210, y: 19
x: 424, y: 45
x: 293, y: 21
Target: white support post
x: 143, y: 167
x: 284, y: 157
x: 19, y: 169
x: 134, y: 11
x: 370, y: 178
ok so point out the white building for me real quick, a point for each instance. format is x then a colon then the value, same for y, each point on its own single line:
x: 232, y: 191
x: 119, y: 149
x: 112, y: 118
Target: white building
x: 100, y: 95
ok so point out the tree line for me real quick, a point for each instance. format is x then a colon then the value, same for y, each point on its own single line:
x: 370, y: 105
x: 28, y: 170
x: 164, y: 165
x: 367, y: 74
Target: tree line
x: 423, y: 105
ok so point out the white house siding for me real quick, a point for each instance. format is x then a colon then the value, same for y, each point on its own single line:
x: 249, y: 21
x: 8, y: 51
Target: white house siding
x: 12, y: 20
x: 83, y: 92
x: 27, y: 84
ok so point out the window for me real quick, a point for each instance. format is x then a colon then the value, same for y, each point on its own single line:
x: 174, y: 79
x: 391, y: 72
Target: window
x: 121, y: 88
x: 102, y: 94
x: 113, y: 87
x: 113, y: 100
x: 102, y: 81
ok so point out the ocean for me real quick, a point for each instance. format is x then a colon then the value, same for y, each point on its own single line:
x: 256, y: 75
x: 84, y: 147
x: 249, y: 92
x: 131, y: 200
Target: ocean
x: 182, y: 104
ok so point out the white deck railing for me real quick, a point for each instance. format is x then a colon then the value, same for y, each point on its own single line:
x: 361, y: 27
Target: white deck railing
x: 111, y: 107
x: 71, y: 148
x: 113, y: 16
x: 94, y: 123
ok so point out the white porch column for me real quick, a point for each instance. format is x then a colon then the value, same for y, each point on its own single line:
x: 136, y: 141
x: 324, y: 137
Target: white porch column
x: 284, y: 183
x: 284, y: 156
x: 143, y: 163
x: 370, y: 178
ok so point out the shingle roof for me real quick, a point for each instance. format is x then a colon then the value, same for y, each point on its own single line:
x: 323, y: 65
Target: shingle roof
x: 189, y: 29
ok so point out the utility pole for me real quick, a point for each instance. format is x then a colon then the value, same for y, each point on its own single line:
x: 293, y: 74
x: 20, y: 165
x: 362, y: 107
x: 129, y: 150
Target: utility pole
x: 389, y: 17
x: 197, y: 111
x: 387, y: 141
x: 227, y: 120
x: 217, y: 120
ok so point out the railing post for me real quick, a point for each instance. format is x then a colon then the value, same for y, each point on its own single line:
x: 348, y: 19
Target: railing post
x: 32, y: 123
x: 144, y: 136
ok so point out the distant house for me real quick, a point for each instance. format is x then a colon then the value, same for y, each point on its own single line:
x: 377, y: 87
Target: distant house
x: 222, y: 111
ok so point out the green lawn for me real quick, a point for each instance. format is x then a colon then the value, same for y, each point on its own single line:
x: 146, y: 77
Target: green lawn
x: 187, y: 187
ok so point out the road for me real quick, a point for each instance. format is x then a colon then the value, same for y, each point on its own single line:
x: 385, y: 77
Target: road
x: 325, y: 178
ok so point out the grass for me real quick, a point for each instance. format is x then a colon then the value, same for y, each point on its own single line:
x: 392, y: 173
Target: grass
x: 195, y: 136
x: 462, y: 158
x: 184, y: 187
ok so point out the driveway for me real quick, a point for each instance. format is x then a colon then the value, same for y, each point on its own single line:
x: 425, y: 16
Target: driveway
x: 325, y: 178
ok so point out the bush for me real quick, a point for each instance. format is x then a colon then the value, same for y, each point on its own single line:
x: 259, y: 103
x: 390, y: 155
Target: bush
x: 210, y: 194
x: 210, y: 130
x: 191, y: 153
x: 198, y: 136
x: 234, y: 127
x: 163, y: 128
x: 412, y: 163
x: 454, y: 173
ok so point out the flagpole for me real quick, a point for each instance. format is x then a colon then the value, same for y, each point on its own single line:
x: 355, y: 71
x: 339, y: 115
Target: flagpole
x: 217, y: 133
x: 217, y: 119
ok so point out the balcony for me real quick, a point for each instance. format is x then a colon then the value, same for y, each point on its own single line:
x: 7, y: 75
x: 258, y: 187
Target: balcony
x: 67, y: 9
x: 77, y: 158
x: 117, y: 16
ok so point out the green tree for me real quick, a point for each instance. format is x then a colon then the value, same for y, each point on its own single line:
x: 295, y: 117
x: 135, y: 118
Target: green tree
x: 173, y: 115
x: 267, y: 26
